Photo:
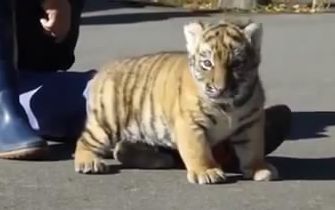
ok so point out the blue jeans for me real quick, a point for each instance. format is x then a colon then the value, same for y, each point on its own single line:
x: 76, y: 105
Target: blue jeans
x: 55, y: 102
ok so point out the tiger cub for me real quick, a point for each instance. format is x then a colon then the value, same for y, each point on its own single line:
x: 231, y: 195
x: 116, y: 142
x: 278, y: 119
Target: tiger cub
x: 187, y: 101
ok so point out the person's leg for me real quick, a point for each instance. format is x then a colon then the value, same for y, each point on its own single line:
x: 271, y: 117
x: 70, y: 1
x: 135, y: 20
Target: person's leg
x: 38, y: 51
x: 55, y: 102
x: 17, y: 139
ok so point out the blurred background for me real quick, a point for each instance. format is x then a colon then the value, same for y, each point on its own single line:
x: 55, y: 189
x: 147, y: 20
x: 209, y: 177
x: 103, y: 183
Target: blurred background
x: 256, y: 6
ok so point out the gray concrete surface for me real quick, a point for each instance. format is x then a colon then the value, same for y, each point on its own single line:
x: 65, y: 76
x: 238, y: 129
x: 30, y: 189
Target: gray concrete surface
x: 298, y: 69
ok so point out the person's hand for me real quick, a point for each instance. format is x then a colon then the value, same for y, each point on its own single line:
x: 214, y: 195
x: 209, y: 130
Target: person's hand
x: 57, y: 22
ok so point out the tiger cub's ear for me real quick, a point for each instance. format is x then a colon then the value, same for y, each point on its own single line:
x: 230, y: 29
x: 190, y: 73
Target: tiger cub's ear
x: 254, y: 33
x: 192, y: 33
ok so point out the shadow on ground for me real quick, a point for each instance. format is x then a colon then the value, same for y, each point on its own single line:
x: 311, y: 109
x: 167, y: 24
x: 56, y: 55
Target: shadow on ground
x: 124, y: 18
x: 61, y: 151
x: 94, y: 5
x: 139, y: 17
x: 308, y: 125
x: 305, y: 168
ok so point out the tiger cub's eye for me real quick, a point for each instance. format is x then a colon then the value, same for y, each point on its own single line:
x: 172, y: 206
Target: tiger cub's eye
x: 206, y: 64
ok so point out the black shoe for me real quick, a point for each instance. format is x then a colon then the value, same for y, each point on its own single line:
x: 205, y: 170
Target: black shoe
x: 17, y: 139
x: 277, y: 126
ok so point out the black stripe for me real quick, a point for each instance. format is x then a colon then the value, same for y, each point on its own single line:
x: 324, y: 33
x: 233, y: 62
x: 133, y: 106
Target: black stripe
x: 209, y: 38
x: 158, y: 70
x: 130, y: 65
x: 240, y: 101
x: 220, y: 53
x: 208, y: 115
x: 133, y: 89
x: 94, y: 138
x: 127, y: 133
x: 167, y: 135
x: 240, y: 141
x: 211, y: 34
x: 147, y: 89
x: 101, y: 117
x: 139, y: 125
x: 148, y: 71
x: 199, y: 125
x: 117, y: 133
x: 100, y: 147
x: 127, y: 106
x: 229, y: 45
x: 89, y: 145
x: 216, y: 27
x: 237, y: 37
x: 191, y: 61
x: 245, y: 127
x: 138, y: 72
x: 153, y: 116
x: 226, y: 107
x: 203, y: 54
x: 141, y: 91
x: 179, y: 84
x: 167, y: 78
x: 179, y: 93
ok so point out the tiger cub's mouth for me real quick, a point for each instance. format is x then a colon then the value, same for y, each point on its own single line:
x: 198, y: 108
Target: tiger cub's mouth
x: 214, y: 92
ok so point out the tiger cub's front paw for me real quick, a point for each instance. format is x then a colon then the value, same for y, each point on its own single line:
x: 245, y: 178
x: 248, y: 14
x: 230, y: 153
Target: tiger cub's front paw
x: 267, y: 173
x: 208, y: 176
x: 88, y: 162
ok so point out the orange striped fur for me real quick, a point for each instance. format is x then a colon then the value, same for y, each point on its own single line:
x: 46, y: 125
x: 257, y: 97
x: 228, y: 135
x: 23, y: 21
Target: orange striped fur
x: 188, y: 101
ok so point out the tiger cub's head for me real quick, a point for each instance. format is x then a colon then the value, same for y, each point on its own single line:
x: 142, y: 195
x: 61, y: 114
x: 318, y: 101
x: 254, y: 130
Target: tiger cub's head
x: 224, y: 58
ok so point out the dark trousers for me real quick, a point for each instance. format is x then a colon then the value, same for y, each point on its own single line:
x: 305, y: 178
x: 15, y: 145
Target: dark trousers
x: 36, y: 50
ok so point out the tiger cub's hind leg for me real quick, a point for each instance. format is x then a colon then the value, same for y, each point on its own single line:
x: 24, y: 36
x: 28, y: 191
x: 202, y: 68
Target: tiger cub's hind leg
x: 89, y: 150
x: 141, y: 155
x: 249, y: 147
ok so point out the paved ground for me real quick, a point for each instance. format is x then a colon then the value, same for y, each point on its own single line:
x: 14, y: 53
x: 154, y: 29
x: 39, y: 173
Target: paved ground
x: 297, y: 69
